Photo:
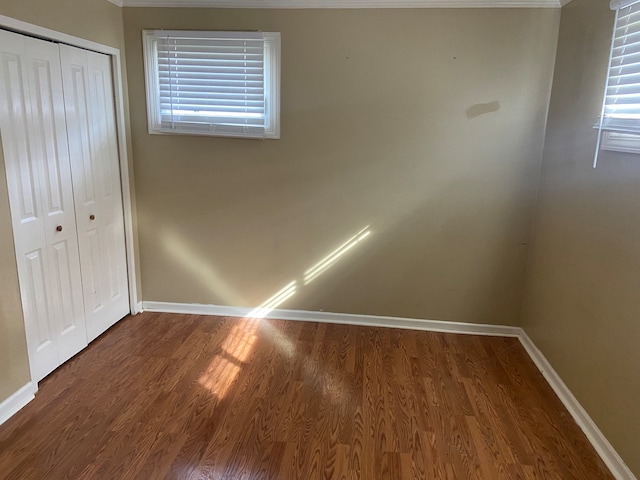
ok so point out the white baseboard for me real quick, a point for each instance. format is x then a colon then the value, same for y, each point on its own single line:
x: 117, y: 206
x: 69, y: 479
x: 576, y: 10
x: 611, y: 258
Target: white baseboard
x: 15, y: 402
x: 602, y: 446
x: 343, y: 318
x: 600, y: 443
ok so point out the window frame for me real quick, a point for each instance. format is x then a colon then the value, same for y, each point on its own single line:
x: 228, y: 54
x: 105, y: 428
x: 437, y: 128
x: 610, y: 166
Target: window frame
x: 610, y: 137
x: 271, y: 86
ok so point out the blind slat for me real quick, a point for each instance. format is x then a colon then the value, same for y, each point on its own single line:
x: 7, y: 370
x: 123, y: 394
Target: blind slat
x: 623, y: 89
x: 201, y: 109
x: 632, y: 67
x: 226, y: 82
x: 619, y: 54
x: 215, y: 91
x: 218, y: 100
x: 226, y: 76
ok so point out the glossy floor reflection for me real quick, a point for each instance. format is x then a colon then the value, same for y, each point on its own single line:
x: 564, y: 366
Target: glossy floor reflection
x: 194, y: 397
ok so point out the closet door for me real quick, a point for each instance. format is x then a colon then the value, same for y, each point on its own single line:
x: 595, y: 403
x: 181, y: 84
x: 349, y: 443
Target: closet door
x: 34, y: 140
x: 97, y: 191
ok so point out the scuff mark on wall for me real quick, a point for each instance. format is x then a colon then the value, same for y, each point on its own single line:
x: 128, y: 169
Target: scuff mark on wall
x: 481, y: 109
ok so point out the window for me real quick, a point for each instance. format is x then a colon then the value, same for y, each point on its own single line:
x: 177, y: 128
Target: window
x: 213, y: 83
x: 620, y: 117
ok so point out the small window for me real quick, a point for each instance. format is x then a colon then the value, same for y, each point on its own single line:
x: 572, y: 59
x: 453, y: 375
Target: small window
x: 213, y: 83
x: 620, y: 119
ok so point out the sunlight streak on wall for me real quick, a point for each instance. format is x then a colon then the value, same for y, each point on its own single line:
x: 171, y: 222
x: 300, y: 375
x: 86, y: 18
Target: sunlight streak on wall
x: 330, y: 259
x: 178, y: 249
x: 283, y: 294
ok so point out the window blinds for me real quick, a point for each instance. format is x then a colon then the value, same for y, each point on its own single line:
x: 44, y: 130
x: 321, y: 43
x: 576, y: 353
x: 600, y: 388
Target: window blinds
x: 620, y: 113
x: 211, y: 82
x: 622, y: 98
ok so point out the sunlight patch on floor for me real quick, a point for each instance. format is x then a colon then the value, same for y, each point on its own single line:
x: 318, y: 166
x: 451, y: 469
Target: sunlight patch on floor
x: 226, y: 365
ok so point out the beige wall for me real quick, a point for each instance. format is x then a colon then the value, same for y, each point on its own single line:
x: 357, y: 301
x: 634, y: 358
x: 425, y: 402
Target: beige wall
x: 582, y: 307
x: 96, y: 20
x: 382, y: 126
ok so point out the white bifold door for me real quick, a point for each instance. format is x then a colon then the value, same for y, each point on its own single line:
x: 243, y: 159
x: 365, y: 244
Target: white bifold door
x: 59, y: 147
x: 93, y: 148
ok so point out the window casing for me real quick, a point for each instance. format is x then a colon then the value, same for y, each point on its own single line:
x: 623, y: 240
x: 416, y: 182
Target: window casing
x: 213, y: 83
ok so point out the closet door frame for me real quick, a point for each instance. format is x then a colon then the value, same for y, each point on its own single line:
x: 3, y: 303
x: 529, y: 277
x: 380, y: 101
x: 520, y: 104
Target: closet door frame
x: 19, y: 26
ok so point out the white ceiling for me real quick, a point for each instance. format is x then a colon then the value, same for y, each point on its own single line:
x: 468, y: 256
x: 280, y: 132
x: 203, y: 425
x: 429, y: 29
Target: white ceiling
x: 344, y: 3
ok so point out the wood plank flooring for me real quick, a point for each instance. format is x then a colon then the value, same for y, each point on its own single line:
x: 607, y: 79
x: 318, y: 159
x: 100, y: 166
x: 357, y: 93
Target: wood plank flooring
x: 194, y: 397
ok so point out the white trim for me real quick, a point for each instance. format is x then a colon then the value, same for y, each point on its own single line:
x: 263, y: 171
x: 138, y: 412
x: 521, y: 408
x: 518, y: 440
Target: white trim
x: 620, y: 142
x: 41, y: 32
x: 119, y: 3
x: 125, y: 181
x: 606, y: 451
x: 11, y: 405
x: 345, y: 3
x: 342, y: 318
x: 604, y: 94
x: 272, y: 42
x: 602, y: 446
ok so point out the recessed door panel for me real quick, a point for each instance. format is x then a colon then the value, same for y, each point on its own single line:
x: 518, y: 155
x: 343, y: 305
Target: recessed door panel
x: 93, y: 264
x: 38, y: 307
x: 44, y: 121
x: 67, y: 297
x: 24, y: 184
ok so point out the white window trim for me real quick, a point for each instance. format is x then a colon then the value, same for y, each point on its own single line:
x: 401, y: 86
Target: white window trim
x: 617, y: 141
x: 620, y: 142
x: 272, y: 85
x: 272, y: 89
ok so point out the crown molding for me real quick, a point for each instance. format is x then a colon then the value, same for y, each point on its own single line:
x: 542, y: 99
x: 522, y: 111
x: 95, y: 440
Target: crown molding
x: 297, y: 4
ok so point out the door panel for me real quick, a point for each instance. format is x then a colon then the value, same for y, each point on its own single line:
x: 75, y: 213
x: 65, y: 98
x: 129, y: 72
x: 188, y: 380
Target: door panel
x: 96, y: 179
x: 43, y: 339
x: 34, y: 141
x: 38, y: 304
x: 48, y: 130
x: 24, y: 181
x: 40, y: 73
x: 67, y: 297
x: 93, y: 265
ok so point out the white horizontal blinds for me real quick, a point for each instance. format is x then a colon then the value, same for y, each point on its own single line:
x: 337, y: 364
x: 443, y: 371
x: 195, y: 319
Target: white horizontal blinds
x: 212, y: 82
x: 622, y: 103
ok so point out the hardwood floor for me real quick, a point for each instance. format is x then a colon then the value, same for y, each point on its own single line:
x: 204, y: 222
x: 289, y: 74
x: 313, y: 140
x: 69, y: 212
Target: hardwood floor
x: 194, y: 397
